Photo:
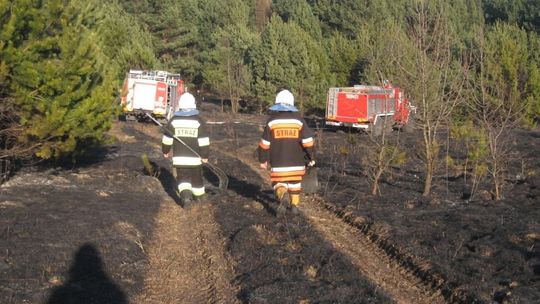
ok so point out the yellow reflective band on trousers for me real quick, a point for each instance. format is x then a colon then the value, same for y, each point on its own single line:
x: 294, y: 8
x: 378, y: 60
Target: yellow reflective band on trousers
x: 198, y: 191
x: 295, y: 199
x: 186, y: 161
x: 184, y: 186
x: 204, y: 141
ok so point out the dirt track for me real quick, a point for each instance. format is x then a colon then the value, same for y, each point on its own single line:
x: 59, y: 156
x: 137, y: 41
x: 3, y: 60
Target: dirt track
x: 110, y: 232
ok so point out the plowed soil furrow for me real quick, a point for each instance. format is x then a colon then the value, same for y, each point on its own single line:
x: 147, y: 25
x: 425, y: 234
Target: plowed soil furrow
x: 367, y: 257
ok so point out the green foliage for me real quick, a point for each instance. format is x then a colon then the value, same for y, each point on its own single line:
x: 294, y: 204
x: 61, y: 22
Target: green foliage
x: 524, y: 13
x: 60, y: 66
x: 464, y: 16
x: 344, y: 16
x: 226, y: 72
x: 122, y: 38
x: 474, y: 140
x: 351, y: 139
x: 343, y: 54
x: 300, y: 13
x: 175, y: 32
x: 397, y: 156
x: 532, y: 93
x: 148, y: 167
x: 62, y: 59
x: 510, y: 73
x: 63, y: 93
x: 288, y: 57
x: 384, y: 47
x: 344, y: 150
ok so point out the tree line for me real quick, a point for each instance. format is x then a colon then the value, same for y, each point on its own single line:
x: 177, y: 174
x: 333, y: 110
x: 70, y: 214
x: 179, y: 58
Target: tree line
x: 461, y: 62
x: 60, y: 66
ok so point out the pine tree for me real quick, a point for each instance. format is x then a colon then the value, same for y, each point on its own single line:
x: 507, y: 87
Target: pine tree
x: 300, y: 13
x: 123, y: 39
x: 62, y: 85
x: 288, y: 57
x: 344, y: 16
x: 506, y: 86
x: 343, y: 54
x: 226, y: 73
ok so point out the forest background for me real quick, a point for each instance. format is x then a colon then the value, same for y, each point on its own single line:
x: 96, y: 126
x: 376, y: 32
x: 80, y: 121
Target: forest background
x: 475, y: 64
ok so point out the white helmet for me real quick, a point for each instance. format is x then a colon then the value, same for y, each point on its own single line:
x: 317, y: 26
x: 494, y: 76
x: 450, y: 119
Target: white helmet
x: 186, y: 101
x: 285, y: 97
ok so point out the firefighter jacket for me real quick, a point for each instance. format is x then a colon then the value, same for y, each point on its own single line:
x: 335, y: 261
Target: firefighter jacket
x: 287, y: 144
x: 190, y: 130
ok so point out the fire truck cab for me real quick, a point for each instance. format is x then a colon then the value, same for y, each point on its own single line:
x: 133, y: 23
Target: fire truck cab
x: 152, y: 92
x: 367, y: 107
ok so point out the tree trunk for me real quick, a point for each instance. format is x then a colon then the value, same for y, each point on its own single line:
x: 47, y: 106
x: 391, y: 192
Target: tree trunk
x: 430, y: 155
x: 496, y: 180
x: 375, y: 187
x: 234, y: 105
x: 429, y: 179
x: 429, y: 173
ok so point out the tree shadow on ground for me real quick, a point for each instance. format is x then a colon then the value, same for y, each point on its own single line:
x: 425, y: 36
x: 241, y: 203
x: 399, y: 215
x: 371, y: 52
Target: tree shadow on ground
x: 87, y: 283
x: 93, y: 155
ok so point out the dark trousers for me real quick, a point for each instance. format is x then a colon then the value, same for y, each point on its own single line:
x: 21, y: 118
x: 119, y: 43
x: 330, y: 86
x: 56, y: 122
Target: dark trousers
x: 190, y: 178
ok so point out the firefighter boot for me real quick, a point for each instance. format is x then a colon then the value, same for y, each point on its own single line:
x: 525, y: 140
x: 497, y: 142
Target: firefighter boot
x: 186, y: 199
x: 283, y: 200
x: 295, y: 201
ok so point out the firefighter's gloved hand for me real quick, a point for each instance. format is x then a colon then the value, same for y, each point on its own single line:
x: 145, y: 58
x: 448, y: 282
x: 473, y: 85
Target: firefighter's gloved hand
x: 204, y: 160
x: 311, y: 163
x: 264, y: 165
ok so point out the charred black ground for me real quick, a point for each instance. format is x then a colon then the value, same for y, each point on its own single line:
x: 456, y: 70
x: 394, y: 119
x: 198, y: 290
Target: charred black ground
x: 56, y: 223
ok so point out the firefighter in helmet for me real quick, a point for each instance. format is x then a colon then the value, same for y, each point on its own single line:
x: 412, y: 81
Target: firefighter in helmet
x: 185, y: 139
x: 286, y: 147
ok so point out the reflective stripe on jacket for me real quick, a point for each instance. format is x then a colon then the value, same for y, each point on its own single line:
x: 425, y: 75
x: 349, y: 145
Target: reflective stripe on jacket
x: 191, y: 130
x: 287, y: 144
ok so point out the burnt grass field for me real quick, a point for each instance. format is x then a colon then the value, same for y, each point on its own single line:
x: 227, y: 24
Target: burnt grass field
x: 82, y: 232
x: 489, y: 249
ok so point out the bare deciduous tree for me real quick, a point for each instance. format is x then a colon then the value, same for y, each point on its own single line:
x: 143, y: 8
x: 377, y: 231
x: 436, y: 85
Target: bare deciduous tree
x: 378, y: 158
x: 237, y: 78
x: 433, y: 77
x: 499, y: 103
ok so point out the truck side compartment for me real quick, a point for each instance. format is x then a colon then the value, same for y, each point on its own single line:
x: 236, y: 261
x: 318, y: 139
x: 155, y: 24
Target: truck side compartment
x: 363, y: 106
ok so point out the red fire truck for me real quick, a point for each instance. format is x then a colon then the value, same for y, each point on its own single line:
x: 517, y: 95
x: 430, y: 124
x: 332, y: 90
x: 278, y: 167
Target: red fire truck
x: 367, y: 107
x: 153, y: 92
